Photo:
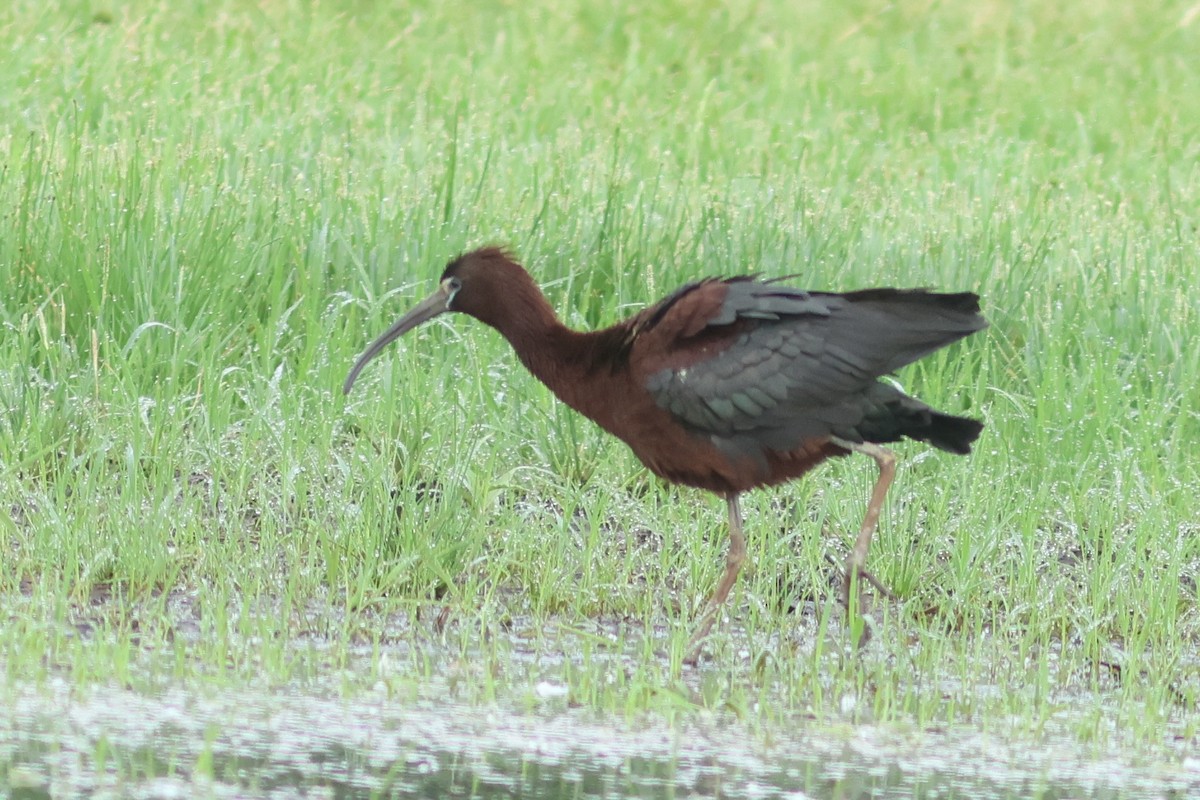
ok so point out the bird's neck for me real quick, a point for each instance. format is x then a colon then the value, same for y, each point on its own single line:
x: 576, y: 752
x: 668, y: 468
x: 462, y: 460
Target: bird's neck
x: 559, y: 357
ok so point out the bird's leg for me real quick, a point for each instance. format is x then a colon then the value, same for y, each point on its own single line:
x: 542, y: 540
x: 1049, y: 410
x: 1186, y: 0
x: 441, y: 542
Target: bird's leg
x: 733, y: 565
x: 856, y: 564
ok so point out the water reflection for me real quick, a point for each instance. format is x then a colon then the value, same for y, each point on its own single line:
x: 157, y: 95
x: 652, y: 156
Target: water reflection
x: 63, y: 741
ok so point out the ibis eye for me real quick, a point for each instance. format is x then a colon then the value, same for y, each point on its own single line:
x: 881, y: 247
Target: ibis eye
x: 450, y: 287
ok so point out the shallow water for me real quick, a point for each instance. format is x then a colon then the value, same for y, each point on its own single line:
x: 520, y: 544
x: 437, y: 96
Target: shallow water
x: 59, y: 740
x: 335, y: 735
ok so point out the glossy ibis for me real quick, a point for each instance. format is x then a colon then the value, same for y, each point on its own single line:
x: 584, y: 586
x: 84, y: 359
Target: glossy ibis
x: 729, y: 383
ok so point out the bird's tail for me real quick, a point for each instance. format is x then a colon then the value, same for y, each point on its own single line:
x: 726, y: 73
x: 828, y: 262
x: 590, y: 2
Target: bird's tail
x: 948, y: 432
x: 907, y: 417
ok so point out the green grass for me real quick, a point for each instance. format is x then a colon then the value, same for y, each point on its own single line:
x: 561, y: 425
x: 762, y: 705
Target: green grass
x: 198, y: 234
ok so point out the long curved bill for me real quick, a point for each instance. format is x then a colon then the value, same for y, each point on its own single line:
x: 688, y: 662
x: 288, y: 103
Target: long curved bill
x: 429, y: 308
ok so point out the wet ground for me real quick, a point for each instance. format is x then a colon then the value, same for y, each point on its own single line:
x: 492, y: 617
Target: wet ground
x: 523, y: 732
x: 59, y: 740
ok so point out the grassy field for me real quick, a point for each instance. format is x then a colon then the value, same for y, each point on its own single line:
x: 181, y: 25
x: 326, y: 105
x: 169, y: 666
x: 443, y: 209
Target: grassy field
x: 208, y: 209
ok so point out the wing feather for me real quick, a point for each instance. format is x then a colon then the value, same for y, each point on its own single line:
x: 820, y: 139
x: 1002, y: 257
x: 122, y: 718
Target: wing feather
x: 774, y: 365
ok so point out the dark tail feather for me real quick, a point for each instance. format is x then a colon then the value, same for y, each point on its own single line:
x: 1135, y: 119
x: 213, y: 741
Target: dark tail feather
x: 949, y: 433
x: 913, y: 419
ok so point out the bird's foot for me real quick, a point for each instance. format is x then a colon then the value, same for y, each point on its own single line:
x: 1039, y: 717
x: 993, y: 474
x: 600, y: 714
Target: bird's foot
x: 696, y: 644
x: 855, y: 575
